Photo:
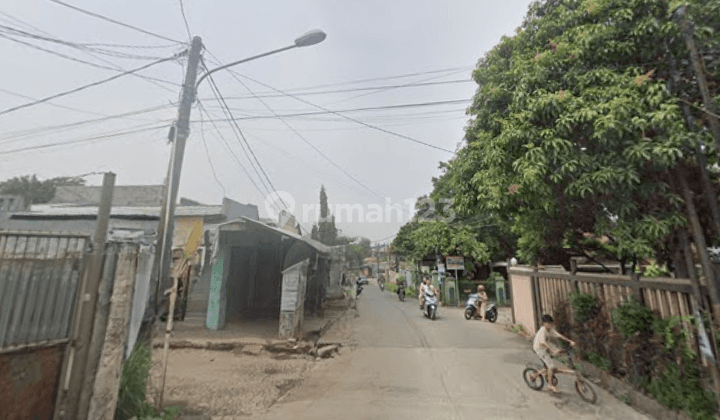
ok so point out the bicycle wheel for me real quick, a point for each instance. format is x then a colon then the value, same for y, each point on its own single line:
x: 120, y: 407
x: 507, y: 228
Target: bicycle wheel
x: 535, y: 384
x: 585, y: 391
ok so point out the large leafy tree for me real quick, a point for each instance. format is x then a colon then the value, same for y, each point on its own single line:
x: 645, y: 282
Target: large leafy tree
x: 34, y: 190
x: 574, y: 133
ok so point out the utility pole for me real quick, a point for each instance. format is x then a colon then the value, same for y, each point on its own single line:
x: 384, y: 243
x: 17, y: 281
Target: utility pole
x: 74, y: 363
x: 172, y: 183
x: 699, y: 68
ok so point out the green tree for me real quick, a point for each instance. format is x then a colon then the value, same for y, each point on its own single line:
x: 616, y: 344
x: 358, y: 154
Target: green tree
x: 35, y: 191
x: 327, y: 232
x: 575, y: 132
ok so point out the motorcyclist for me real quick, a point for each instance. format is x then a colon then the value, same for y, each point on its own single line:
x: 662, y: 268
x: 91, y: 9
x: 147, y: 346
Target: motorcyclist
x: 400, y: 285
x: 482, y: 300
x: 428, y: 287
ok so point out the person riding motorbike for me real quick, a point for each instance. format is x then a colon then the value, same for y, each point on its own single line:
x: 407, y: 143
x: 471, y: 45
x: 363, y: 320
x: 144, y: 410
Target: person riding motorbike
x: 429, y: 288
x: 482, y: 300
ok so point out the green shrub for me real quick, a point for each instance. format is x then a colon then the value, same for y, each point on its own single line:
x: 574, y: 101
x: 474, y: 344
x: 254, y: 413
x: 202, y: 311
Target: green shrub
x: 631, y: 317
x: 584, y: 306
x: 133, y: 382
x: 653, y: 270
x: 597, y: 360
x: 391, y: 287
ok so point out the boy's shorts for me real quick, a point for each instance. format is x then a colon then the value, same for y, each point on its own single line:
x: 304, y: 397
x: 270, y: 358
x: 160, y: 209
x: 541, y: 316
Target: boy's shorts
x: 544, y: 355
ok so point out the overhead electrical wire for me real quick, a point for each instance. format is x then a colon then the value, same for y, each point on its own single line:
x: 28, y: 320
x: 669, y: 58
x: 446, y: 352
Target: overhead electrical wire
x: 187, y: 27
x: 85, y: 140
x: 371, y: 88
x: 44, y: 36
x: 340, y: 114
x: 216, y: 91
x: 232, y: 153
x: 207, y: 153
x: 20, y: 95
x: 23, y: 134
x: 376, y: 108
x: 81, y: 88
x: 332, y: 162
x: 105, y: 18
x: 385, y: 89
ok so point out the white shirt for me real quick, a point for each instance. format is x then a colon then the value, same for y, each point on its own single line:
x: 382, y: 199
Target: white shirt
x: 542, y: 338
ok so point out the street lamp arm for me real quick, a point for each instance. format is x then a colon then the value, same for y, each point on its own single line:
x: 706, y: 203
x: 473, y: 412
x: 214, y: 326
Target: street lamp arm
x: 242, y: 61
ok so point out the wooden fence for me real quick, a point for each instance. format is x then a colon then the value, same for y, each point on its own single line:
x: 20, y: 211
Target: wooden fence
x: 542, y: 291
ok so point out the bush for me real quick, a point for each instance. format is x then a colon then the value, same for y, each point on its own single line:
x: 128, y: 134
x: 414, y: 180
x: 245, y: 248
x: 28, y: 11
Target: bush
x: 584, y: 306
x: 597, y: 360
x: 133, y: 383
x: 631, y: 317
x: 391, y: 287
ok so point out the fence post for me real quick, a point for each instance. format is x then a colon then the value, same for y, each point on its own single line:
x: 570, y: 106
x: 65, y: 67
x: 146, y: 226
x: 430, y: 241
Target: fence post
x: 73, y: 369
x: 636, y: 286
x: 537, y: 306
x: 512, y: 293
x: 107, y: 381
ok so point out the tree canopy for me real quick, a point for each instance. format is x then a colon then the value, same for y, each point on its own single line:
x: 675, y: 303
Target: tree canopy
x: 576, y: 133
x: 35, y: 191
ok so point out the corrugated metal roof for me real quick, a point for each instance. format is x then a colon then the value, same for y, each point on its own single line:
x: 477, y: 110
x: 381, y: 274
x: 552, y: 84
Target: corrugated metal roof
x: 52, y: 211
x: 313, y: 243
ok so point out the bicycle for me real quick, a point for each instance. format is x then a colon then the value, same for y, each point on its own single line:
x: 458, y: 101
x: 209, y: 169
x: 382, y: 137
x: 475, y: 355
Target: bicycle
x: 534, y: 377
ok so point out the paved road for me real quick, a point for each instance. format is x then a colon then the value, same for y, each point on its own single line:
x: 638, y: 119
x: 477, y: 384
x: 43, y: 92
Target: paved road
x: 405, y: 366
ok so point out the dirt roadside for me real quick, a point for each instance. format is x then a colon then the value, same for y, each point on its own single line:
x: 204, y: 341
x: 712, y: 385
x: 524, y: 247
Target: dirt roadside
x: 239, y: 380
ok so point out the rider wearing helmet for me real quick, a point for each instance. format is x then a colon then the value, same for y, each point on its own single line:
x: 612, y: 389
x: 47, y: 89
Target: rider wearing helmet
x: 482, y: 300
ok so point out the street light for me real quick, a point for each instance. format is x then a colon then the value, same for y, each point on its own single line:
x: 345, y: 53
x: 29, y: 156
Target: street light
x: 182, y: 132
x: 313, y: 37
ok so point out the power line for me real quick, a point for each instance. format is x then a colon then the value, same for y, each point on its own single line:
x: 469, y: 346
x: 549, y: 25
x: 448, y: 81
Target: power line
x: 207, y: 153
x: 338, y: 113
x: 22, y: 134
x: 86, y: 12
x: 239, y: 135
x: 187, y: 27
x: 376, y: 108
x: 78, y: 89
x: 371, y: 88
x: 385, y: 89
x: 232, y: 153
x: 304, y: 139
x: 20, y: 95
x: 85, y: 140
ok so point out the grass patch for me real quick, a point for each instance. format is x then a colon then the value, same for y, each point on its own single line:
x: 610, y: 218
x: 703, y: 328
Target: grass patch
x: 133, y: 384
x: 391, y: 287
x: 518, y: 328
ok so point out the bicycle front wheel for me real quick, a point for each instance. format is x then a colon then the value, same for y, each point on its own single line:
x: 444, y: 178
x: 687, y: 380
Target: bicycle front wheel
x: 585, y: 391
x: 533, y: 379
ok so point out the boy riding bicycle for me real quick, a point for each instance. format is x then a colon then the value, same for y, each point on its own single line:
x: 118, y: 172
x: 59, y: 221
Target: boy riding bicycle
x: 545, y: 349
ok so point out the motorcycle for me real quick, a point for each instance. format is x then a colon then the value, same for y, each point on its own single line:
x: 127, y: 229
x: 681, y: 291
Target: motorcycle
x: 358, y: 287
x: 381, y: 283
x: 471, y: 309
x: 401, y: 293
x: 431, y: 305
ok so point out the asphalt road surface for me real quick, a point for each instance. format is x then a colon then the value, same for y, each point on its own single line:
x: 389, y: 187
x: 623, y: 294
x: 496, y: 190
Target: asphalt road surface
x: 405, y: 366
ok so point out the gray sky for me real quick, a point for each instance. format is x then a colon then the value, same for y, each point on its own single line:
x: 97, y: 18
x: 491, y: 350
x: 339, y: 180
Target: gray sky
x: 368, y: 39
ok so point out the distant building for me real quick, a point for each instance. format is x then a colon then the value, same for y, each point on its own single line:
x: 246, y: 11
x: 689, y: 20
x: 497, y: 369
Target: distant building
x: 287, y: 221
x: 11, y: 203
x: 123, y: 195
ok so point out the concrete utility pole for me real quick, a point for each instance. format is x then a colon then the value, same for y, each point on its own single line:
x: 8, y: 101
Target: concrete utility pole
x: 172, y: 183
x: 74, y: 364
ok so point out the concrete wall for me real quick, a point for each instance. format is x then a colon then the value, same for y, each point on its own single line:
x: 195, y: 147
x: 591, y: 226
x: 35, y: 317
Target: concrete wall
x: 293, y: 300
x: 74, y: 226
x: 234, y: 210
x: 522, y: 297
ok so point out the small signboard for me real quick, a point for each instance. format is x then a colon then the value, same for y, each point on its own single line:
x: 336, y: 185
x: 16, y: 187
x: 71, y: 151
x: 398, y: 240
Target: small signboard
x: 455, y: 263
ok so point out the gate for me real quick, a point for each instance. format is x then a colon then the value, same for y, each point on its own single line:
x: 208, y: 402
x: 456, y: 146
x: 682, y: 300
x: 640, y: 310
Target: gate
x: 39, y: 275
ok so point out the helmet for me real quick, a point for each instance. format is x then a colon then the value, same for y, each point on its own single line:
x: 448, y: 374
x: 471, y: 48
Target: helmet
x: 481, y: 286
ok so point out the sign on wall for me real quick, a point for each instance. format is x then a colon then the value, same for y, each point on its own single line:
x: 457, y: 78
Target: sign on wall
x: 455, y: 263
